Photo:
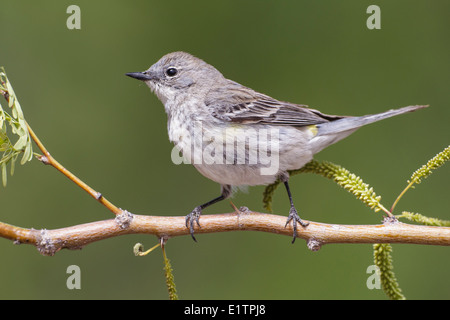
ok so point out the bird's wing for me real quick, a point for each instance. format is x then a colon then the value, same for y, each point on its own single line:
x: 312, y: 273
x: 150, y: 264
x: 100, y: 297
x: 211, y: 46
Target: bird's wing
x: 238, y: 104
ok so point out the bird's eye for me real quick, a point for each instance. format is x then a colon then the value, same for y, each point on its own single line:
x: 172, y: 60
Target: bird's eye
x: 171, y: 72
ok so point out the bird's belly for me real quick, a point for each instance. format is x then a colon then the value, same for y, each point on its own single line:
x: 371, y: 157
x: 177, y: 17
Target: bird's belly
x: 236, y: 175
x: 238, y: 156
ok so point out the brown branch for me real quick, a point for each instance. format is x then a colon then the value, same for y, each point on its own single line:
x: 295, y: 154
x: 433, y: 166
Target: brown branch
x: 48, y: 242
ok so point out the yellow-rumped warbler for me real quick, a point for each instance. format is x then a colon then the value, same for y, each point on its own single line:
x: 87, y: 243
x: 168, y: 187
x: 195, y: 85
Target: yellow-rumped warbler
x: 239, y: 137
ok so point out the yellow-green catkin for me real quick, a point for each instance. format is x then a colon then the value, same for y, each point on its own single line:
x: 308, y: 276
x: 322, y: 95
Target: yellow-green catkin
x: 170, y: 280
x: 434, y: 163
x: 417, y: 217
x: 340, y: 175
x: 383, y: 260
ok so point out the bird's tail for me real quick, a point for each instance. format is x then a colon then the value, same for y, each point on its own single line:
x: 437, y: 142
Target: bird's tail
x: 331, y: 132
x: 353, y: 123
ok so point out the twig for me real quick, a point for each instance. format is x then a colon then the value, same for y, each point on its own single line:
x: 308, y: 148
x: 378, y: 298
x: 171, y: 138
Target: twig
x: 48, y: 242
x: 46, y: 158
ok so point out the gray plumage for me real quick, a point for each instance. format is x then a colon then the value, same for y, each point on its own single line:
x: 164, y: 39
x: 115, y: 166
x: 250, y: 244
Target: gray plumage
x: 198, y: 98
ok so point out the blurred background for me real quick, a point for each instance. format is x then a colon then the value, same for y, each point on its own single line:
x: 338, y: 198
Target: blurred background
x: 110, y: 131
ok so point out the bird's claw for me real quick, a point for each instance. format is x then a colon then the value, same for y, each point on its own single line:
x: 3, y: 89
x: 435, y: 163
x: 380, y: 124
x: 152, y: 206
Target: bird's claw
x: 191, y: 218
x: 293, y: 215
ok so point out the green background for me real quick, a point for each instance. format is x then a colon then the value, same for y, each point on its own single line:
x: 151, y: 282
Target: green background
x: 110, y: 130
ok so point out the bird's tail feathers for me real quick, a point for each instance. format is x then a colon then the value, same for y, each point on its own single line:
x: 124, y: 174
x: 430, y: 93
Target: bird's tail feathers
x: 353, y: 123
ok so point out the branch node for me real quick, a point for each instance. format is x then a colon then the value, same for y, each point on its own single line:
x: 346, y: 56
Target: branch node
x: 244, y: 209
x: 390, y: 220
x: 163, y: 240
x: 43, y: 159
x: 314, y: 244
x: 98, y: 196
x: 46, y: 245
x: 124, y: 219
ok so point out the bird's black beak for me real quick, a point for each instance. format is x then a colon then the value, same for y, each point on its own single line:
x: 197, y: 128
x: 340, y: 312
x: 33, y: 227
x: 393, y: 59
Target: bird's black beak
x: 139, y: 75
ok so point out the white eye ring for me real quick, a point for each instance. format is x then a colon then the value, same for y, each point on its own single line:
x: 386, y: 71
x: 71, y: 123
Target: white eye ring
x: 171, y: 72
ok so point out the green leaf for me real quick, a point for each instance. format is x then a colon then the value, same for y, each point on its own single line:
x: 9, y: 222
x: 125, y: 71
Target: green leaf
x: 27, y: 154
x: 21, y: 143
x: 13, y: 164
x: 11, y: 148
x: 4, y: 174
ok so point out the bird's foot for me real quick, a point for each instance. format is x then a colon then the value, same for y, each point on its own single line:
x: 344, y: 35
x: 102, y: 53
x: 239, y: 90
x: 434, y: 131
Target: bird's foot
x: 191, y: 218
x: 293, y: 215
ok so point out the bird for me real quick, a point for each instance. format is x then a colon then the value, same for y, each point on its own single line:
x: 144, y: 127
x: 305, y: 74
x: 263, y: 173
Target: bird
x: 209, y: 116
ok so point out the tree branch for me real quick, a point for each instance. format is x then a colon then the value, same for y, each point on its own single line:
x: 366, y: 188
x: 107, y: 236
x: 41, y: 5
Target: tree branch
x: 48, y: 242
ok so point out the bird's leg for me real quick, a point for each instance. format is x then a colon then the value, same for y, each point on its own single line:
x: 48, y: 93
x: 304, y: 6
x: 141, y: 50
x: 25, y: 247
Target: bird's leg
x: 194, y: 216
x: 293, y: 215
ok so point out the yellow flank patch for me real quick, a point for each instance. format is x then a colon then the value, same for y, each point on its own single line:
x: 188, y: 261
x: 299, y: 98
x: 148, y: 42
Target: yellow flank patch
x: 235, y: 126
x: 313, y: 129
